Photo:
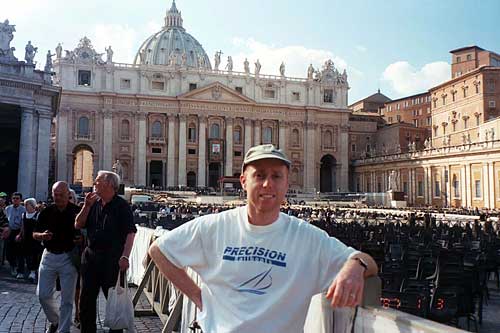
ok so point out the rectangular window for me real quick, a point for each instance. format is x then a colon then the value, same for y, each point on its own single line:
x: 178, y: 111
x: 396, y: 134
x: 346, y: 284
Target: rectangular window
x: 420, y: 188
x: 456, y: 189
x: 477, y: 188
x: 390, y: 119
x: 192, y: 151
x: 192, y: 134
x: 469, y: 57
x: 239, y: 89
x: 398, y: 118
x: 84, y: 78
x: 353, y: 147
x: 268, y: 93
x: 397, y: 106
x: 328, y: 96
x: 237, y: 153
x: 156, y: 150
x: 437, y: 188
x: 192, y: 86
x: 405, y: 187
x: 157, y: 85
x: 125, y: 84
x: 415, y: 122
x: 459, y: 59
x: 295, y: 96
x: 429, y: 121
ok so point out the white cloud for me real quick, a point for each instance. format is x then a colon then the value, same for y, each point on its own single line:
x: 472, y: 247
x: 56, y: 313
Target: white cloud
x: 297, y: 58
x: 405, y: 79
x: 122, y: 38
x: 361, y: 48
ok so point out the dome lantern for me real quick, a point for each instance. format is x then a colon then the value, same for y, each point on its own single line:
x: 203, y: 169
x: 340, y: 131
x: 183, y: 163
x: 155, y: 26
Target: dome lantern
x: 173, y: 17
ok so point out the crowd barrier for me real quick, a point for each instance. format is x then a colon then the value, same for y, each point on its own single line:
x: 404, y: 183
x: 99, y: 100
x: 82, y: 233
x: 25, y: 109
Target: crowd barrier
x: 177, y: 313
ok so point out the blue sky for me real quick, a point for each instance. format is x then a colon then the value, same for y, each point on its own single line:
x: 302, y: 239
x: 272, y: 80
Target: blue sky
x: 401, y: 47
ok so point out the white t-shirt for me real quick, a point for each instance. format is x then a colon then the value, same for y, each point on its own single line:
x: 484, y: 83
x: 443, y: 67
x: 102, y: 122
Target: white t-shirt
x: 255, y: 279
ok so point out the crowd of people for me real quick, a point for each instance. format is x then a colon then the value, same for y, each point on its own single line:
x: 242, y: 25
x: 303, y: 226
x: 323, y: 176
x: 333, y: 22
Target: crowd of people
x: 78, y: 249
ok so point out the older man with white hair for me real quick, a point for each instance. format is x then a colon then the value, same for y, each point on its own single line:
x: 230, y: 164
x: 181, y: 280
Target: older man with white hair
x: 110, y: 229
x: 55, y: 228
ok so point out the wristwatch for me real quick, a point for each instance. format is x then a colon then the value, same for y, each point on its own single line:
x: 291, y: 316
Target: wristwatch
x: 361, y: 262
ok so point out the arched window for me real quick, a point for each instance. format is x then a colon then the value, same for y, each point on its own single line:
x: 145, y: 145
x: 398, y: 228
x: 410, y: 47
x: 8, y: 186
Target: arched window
x: 83, y: 126
x: 237, y: 135
x: 327, y: 139
x: 125, y: 128
x: 267, y: 135
x: 295, y: 137
x: 192, y: 132
x: 214, y: 131
x: 156, y: 129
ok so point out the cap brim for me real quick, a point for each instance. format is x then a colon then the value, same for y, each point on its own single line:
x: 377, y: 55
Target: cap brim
x: 267, y: 156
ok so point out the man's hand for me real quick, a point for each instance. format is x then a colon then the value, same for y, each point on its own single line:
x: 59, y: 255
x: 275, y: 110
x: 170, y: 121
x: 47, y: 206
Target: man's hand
x: 90, y: 199
x: 347, y: 288
x: 46, y: 235
x: 123, y: 263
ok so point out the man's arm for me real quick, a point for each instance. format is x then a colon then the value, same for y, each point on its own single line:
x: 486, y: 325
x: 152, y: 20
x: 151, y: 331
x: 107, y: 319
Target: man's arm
x: 81, y: 218
x: 127, y: 248
x: 176, y: 275
x: 347, y: 288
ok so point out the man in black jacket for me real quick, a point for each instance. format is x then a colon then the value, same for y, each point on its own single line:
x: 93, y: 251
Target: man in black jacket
x: 110, y: 232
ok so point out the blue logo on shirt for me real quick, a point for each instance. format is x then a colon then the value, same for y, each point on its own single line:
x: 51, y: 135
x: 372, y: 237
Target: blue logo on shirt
x: 257, y: 284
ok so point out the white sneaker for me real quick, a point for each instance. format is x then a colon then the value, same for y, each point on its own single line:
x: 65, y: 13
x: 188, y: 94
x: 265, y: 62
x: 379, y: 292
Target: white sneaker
x: 20, y: 276
x: 32, y: 276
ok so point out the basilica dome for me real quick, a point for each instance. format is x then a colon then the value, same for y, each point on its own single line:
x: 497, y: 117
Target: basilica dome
x: 172, y: 46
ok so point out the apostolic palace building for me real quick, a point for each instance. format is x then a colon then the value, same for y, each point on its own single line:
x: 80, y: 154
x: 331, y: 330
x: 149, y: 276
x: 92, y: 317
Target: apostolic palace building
x: 177, y: 118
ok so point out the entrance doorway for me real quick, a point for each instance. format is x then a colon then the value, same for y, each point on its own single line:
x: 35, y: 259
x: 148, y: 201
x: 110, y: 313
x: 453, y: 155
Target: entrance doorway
x: 328, y: 174
x: 156, y: 173
x: 191, y: 179
x: 214, y: 174
x: 83, y: 166
x: 10, y: 131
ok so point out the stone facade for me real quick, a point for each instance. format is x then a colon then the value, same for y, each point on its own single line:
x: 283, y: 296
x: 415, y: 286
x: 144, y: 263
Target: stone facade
x: 185, y: 125
x: 26, y: 94
x: 460, y: 165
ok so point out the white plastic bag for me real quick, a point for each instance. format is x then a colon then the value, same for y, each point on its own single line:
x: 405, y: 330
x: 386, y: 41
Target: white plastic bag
x: 119, y: 308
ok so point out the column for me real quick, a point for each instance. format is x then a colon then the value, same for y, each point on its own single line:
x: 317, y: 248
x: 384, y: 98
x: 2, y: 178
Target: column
x: 256, y: 136
x: 25, y: 168
x: 463, y: 186
x: 426, y: 185
x: 491, y: 173
x: 163, y: 174
x: 43, y: 155
x: 171, y: 151
x: 309, y: 184
x: 107, y: 140
x: 182, y: 150
x: 486, y: 186
x: 343, y: 146
x: 449, y: 195
x: 202, y: 151
x: 228, y: 167
x: 62, y: 142
x: 468, y: 187
x: 141, y: 149
x: 248, y: 134
x: 282, y: 135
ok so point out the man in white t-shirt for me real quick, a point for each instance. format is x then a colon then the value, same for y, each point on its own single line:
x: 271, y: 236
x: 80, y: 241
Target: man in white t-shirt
x: 259, y: 268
